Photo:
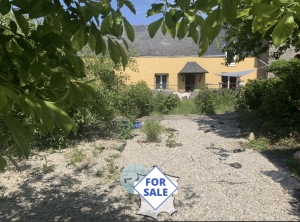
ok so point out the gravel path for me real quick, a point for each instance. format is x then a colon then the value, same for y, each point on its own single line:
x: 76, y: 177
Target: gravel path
x: 215, y: 183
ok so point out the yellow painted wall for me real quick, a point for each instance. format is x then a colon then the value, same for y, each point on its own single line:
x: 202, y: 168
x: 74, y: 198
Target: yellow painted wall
x: 149, y: 66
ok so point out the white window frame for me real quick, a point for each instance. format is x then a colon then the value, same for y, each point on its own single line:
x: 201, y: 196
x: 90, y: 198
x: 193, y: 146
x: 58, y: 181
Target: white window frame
x: 161, y: 83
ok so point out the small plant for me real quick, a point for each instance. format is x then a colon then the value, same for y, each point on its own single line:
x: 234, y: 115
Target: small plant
x: 170, y: 141
x: 98, y: 150
x: 51, y: 150
x: 152, y: 129
x: 125, y: 130
x: 76, y: 156
x: 212, y: 144
x: 258, y: 144
x: 112, y: 171
x: 112, y: 157
x: 46, y: 168
x: 99, y: 173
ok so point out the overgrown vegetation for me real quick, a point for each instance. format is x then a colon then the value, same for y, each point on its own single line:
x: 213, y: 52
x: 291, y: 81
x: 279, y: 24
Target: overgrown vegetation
x: 152, y: 129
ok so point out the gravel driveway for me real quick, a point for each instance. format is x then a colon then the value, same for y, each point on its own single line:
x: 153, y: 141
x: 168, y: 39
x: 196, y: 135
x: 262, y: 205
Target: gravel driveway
x: 215, y: 182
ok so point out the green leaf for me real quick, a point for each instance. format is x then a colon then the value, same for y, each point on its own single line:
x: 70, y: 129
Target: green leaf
x: 113, y: 51
x: 4, y: 7
x: 283, y: 30
x: 229, y: 10
x: 13, y: 26
x: 190, y: 15
x: 123, y: 55
x: 100, y: 46
x: 184, y: 4
x: 3, y: 99
x: 129, y: 29
x: 262, y: 9
x: 15, y: 47
x: 92, y: 41
x: 80, y: 38
x: 169, y: 20
x: 199, y: 20
x: 183, y: 29
x: 203, y: 46
x: 61, y: 118
x: 156, y: 8
x: 163, y: 29
x: 244, y: 12
x: 2, y: 163
x: 76, y: 95
x: 10, y: 93
x: 125, y: 43
x: 154, y: 26
x: 12, y: 161
x: 212, y: 24
x: 130, y: 6
x: 35, y: 71
x: 193, y: 32
x: 19, y: 135
x: 22, y: 22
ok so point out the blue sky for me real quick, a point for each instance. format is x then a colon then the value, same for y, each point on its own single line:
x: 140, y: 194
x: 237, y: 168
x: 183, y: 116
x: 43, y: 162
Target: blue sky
x: 141, y: 7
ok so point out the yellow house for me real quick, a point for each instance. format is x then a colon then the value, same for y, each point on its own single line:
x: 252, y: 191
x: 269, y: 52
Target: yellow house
x: 167, y: 63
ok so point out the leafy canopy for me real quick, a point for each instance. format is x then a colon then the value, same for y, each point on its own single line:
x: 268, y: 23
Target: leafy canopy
x: 41, y: 75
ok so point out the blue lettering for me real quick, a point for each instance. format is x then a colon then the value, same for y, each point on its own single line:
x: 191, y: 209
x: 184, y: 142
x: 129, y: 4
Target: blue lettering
x: 146, y: 192
x: 147, y: 181
x: 154, y: 183
x: 165, y: 192
x: 158, y: 194
x: 162, y: 182
x: 152, y: 192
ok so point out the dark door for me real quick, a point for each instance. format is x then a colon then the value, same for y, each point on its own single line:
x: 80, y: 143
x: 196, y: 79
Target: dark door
x: 190, y: 82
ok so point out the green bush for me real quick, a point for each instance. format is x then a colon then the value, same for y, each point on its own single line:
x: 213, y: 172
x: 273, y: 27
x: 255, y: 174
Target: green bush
x: 206, y: 101
x: 137, y: 100
x: 164, y: 104
x: 152, y: 129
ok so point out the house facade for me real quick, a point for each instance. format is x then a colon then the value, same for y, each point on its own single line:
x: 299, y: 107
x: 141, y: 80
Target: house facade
x: 167, y: 63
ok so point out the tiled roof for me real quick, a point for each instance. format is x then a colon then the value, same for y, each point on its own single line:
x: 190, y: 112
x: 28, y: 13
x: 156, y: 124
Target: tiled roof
x: 193, y: 67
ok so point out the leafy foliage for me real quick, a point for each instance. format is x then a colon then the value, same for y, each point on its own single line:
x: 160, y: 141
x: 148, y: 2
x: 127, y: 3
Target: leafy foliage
x: 248, y: 22
x: 152, y: 129
x: 276, y: 101
x: 164, y: 104
x: 136, y: 100
x: 41, y: 73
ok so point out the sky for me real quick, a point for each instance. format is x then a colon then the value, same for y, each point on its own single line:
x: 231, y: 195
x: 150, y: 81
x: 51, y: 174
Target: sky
x: 141, y: 7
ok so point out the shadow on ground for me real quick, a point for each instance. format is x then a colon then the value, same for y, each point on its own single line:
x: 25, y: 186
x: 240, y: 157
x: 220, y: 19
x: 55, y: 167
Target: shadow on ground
x: 290, y: 184
x: 58, y: 201
x: 224, y: 125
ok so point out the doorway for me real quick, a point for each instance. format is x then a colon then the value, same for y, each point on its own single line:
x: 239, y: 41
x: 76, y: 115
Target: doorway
x: 190, y: 82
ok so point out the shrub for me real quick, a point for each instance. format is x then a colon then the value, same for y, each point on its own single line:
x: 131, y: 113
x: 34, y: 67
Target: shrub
x: 137, y: 100
x: 164, y: 104
x: 206, y: 101
x: 152, y: 129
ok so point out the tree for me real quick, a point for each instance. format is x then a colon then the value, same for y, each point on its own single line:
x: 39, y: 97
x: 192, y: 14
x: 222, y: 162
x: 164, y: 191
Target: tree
x: 41, y: 74
x: 274, y: 20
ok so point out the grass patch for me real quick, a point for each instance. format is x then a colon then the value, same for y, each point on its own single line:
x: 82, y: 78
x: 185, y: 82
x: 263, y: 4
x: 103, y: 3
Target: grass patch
x: 152, y: 129
x: 112, y: 157
x: 185, y: 107
x: 76, y: 156
x: 260, y: 143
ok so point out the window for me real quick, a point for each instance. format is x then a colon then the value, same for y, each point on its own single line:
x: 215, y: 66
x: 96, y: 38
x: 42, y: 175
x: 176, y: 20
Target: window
x: 161, y: 81
x: 229, y: 82
x: 233, y: 62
